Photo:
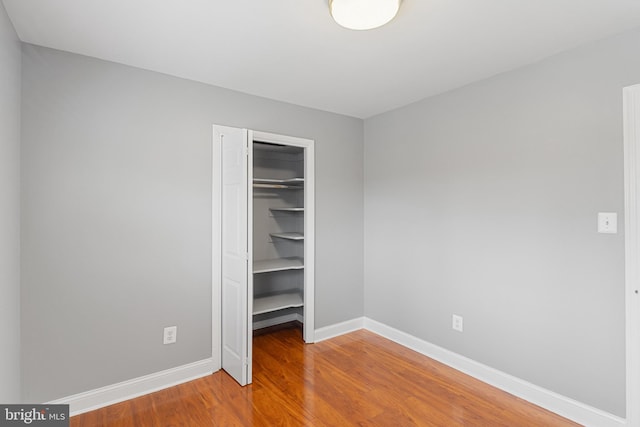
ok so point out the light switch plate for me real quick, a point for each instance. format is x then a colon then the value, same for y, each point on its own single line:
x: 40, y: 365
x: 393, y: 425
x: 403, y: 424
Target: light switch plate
x: 607, y: 222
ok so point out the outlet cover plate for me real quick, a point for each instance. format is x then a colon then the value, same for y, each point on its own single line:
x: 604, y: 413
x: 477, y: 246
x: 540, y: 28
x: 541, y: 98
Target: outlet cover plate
x: 170, y: 333
x: 456, y: 323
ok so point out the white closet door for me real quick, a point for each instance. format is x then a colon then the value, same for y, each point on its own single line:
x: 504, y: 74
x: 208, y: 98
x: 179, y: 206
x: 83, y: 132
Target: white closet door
x: 235, y: 247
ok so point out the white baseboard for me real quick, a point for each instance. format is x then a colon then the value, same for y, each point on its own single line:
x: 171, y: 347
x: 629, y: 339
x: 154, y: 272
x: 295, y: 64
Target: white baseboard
x: 554, y: 402
x: 339, y: 329
x: 105, y: 396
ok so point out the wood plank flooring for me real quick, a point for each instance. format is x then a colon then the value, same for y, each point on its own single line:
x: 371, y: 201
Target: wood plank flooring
x: 358, y: 379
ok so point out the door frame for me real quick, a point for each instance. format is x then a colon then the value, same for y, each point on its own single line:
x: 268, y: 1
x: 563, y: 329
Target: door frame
x: 631, y: 112
x: 309, y: 222
x: 216, y: 252
x: 216, y: 236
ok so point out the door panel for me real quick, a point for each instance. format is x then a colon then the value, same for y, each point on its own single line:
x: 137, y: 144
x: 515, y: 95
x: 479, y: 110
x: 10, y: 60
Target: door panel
x: 235, y: 234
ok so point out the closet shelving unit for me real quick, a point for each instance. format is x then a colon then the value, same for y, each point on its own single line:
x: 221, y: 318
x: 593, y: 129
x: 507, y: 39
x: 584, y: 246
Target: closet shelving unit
x: 278, y: 250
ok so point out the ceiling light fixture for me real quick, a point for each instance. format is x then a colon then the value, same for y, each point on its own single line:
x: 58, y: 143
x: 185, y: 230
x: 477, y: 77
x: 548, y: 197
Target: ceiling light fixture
x: 363, y: 14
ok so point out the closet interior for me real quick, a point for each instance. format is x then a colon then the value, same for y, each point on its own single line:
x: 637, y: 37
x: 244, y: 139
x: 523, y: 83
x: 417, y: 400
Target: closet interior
x: 278, y: 234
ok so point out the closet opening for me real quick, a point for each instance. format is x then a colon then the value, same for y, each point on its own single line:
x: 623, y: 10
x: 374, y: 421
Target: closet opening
x: 263, y: 217
x: 278, y: 237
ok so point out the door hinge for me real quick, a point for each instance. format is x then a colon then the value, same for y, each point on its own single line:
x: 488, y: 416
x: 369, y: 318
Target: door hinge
x: 246, y: 361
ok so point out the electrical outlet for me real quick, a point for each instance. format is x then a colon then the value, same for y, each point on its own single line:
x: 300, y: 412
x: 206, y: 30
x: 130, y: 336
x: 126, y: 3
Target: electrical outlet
x: 457, y: 323
x: 170, y: 333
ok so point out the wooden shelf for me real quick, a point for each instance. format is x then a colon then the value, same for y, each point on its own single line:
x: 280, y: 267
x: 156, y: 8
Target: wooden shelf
x: 278, y: 181
x: 277, y: 302
x: 288, y: 236
x: 280, y: 264
x: 286, y: 209
x: 291, y: 183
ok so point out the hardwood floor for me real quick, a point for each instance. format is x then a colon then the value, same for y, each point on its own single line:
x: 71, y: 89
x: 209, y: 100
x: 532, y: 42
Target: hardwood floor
x: 359, y: 379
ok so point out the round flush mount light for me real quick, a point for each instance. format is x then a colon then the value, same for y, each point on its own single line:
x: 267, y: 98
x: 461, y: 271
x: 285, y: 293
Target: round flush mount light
x: 363, y: 14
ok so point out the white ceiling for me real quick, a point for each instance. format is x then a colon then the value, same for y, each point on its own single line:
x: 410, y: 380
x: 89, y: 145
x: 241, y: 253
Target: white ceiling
x: 291, y: 50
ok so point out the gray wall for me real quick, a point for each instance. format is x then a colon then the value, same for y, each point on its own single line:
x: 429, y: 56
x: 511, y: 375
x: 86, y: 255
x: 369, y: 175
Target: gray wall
x: 483, y: 202
x: 116, y: 174
x: 9, y: 211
